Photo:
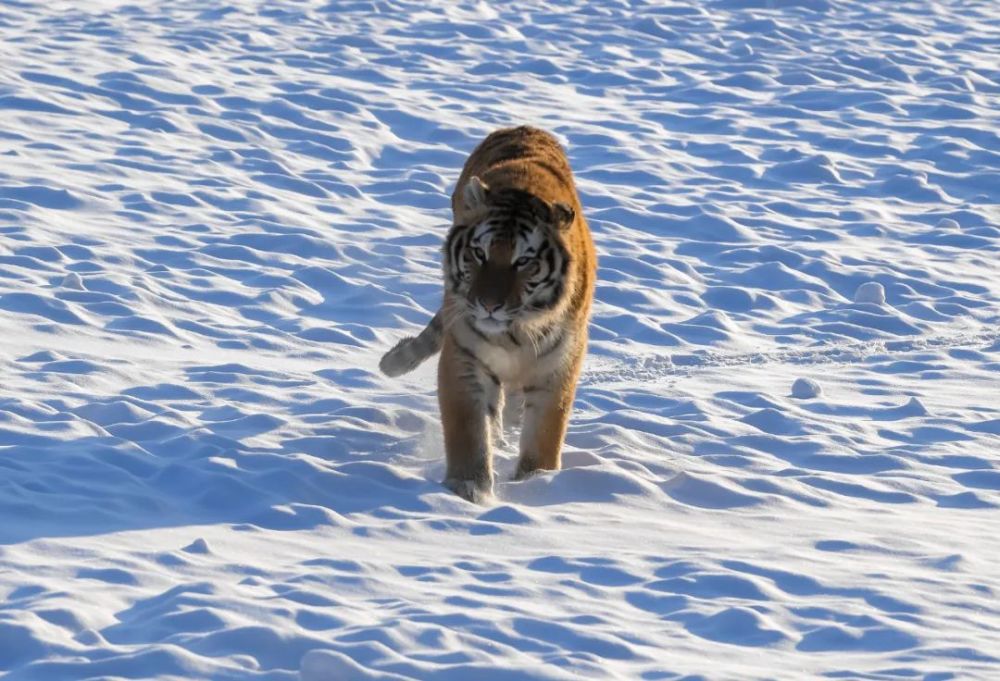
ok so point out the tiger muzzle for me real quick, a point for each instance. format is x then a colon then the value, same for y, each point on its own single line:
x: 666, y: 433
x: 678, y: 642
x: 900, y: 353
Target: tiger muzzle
x: 493, y: 288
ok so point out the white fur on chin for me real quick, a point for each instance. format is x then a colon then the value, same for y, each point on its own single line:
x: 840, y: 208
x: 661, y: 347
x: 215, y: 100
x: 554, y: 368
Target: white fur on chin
x: 492, y: 326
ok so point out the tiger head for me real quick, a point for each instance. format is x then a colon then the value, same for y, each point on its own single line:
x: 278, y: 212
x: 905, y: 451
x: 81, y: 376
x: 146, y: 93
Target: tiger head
x: 508, y: 264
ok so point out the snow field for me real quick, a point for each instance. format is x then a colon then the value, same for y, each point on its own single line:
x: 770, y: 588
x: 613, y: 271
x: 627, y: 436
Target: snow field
x: 783, y: 460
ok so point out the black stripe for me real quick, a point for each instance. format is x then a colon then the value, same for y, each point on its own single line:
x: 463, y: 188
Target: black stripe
x: 470, y: 354
x: 554, y: 344
x: 559, y: 172
x: 552, y: 300
x: 547, y: 331
x: 482, y: 336
x: 466, y: 351
x: 557, y: 293
x: 473, y: 388
x: 550, y: 259
x: 456, y: 240
x: 454, y: 234
x: 454, y: 245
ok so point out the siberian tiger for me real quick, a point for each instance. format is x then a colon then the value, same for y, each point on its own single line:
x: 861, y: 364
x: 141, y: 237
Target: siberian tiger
x: 519, y: 271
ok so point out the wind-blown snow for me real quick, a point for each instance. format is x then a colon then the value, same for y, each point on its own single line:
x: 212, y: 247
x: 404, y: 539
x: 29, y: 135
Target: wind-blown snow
x: 215, y: 217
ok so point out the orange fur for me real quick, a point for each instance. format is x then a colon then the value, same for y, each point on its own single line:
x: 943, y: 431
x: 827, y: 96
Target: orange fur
x: 472, y: 373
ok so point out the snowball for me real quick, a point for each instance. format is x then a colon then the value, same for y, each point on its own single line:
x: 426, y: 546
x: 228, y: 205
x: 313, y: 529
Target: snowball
x: 741, y: 50
x: 806, y: 388
x: 947, y: 223
x: 72, y: 281
x: 870, y: 292
x: 197, y: 546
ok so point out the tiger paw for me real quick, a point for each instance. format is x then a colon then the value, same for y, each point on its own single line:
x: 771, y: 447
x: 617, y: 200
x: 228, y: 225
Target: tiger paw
x: 525, y: 469
x: 476, y: 491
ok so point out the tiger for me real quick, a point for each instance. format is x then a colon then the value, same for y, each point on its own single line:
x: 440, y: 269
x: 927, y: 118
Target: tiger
x: 519, y: 272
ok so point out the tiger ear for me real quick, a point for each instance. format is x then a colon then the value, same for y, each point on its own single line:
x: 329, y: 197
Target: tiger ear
x: 562, y: 215
x: 475, y: 193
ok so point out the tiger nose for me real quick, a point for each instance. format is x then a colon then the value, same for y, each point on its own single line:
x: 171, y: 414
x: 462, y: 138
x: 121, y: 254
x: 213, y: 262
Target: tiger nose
x: 490, y: 307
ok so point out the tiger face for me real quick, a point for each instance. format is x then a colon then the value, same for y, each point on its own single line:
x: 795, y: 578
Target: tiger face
x: 509, y: 266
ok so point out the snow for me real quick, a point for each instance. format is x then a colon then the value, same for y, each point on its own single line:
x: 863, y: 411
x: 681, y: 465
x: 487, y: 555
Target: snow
x: 214, y: 218
x: 806, y: 388
x: 870, y: 292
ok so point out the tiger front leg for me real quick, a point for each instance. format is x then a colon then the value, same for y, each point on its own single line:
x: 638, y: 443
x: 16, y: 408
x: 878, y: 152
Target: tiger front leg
x: 498, y: 417
x: 546, y: 413
x: 469, y: 397
x: 508, y: 415
x: 513, y: 407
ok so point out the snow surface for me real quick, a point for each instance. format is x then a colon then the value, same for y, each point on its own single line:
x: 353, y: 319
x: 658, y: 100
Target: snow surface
x: 214, y: 217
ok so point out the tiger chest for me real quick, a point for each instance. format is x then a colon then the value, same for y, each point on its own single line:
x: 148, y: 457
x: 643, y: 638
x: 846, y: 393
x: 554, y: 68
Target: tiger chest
x: 516, y: 360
